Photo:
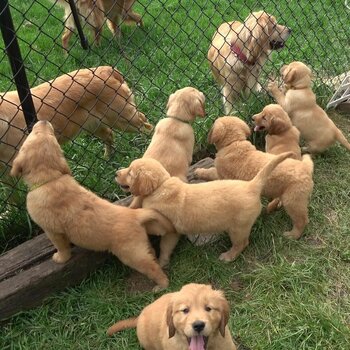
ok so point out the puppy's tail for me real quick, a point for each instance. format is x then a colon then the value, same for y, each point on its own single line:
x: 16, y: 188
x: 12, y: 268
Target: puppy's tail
x: 261, y: 177
x: 122, y: 325
x: 307, y: 160
x: 155, y: 223
x: 341, y: 139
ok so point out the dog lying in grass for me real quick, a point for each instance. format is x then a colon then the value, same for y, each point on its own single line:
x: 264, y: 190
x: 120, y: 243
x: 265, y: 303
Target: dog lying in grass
x: 173, y: 140
x: 204, y: 208
x: 239, y: 51
x: 69, y: 213
x: 94, y: 12
x: 299, y: 101
x: 281, y: 136
x: 236, y: 158
x: 194, y: 318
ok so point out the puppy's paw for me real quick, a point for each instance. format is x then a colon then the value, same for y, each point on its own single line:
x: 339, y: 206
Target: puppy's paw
x: 226, y: 257
x: 272, y: 86
x: 61, y: 258
x: 158, y: 289
x: 292, y: 234
x: 198, y: 173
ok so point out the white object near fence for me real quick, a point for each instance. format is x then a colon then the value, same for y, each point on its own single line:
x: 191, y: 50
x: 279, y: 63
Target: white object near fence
x: 342, y: 94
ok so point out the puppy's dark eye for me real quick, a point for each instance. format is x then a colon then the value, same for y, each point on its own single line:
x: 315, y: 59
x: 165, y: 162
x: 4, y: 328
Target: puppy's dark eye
x: 186, y: 310
x: 263, y: 118
x: 208, y: 308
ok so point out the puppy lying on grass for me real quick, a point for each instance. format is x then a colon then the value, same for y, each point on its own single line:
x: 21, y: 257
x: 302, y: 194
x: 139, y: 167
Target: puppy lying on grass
x: 281, y: 136
x: 236, y: 158
x: 204, y: 208
x: 195, y: 318
x: 299, y: 101
x: 173, y: 140
x: 68, y: 213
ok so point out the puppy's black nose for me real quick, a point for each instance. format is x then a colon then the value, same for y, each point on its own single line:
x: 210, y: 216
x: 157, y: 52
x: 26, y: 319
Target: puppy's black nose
x: 198, y: 326
x: 289, y: 30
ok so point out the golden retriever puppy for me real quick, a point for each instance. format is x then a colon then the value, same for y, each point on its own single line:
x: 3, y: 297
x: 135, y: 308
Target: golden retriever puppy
x: 299, y: 102
x: 281, y: 136
x: 93, y: 100
x: 93, y: 14
x: 195, y: 318
x: 236, y: 158
x: 238, y: 52
x: 203, y: 208
x: 69, y: 213
x: 173, y: 140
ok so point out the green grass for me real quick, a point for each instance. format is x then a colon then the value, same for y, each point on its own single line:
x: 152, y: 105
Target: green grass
x: 283, y: 294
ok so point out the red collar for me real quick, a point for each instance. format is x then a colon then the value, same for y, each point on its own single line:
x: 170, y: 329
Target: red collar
x: 241, y: 56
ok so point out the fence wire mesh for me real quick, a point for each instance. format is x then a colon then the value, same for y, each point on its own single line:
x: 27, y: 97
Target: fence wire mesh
x: 103, y: 100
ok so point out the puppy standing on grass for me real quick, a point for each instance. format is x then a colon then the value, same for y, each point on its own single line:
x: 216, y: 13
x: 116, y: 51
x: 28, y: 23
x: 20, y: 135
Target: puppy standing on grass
x: 204, y: 208
x: 281, y: 136
x: 299, y: 102
x: 68, y: 213
x: 194, y: 318
x: 236, y: 158
x: 173, y: 140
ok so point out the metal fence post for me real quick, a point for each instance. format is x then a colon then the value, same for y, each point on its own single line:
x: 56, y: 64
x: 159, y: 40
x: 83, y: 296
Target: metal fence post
x: 83, y: 40
x: 16, y: 62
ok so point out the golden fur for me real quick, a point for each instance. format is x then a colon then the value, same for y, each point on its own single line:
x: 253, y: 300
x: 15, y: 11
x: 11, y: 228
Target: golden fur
x: 170, y: 322
x: 281, y: 136
x: 93, y: 100
x: 68, y: 213
x: 93, y: 14
x: 204, y: 208
x: 173, y: 140
x: 299, y: 101
x: 255, y: 37
x: 237, y: 158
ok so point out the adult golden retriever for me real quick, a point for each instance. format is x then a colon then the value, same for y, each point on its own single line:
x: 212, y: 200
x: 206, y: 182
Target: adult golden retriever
x: 204, y: 208
x: 299, y: 101
x: 194, y: 318
x: 69, y: 213
x: 95, y: 100
x: 236, y: 158
x: 238, y: 52
x: 173, y: 140
x: 94, y: 12
x: 281, y: 136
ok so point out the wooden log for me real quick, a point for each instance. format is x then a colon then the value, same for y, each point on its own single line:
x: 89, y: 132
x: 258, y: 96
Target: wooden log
x: 344, y: 107
x: 28, y: 275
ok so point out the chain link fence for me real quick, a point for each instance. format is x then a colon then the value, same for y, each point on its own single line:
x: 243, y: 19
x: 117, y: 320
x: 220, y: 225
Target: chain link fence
x: 155, y: 47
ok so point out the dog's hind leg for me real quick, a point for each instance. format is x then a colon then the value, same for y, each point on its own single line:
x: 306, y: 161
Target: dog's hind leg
x: 240, y: 239
x: 167, y: 245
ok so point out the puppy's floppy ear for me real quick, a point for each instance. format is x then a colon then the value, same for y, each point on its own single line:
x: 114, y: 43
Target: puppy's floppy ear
x: 198, y: 107
x: 277, y: 125
x: 169, y: 320
x: 216, y: 132
x: 143, y: 183
x: 17, y: 167
x: 289, y: 75
x: 117, y: 75
x: 225, y: 315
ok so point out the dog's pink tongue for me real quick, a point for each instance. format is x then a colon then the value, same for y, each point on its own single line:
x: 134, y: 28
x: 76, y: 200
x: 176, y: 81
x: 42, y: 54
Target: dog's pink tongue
x: 256, y: 128
x: 197, y: 343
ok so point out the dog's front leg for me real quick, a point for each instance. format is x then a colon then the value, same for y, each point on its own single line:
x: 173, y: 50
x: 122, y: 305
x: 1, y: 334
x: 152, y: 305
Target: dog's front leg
x: 277, y: 94
x: 62, y: 244
x: 229, y: 96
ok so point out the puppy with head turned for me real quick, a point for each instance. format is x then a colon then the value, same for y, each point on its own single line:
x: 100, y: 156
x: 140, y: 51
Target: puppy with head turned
x: 173, y: 140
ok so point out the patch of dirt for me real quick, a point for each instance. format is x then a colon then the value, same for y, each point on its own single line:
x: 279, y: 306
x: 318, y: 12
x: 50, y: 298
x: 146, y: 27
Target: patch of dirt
x: 138, y: 283
x: 315, y: 241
